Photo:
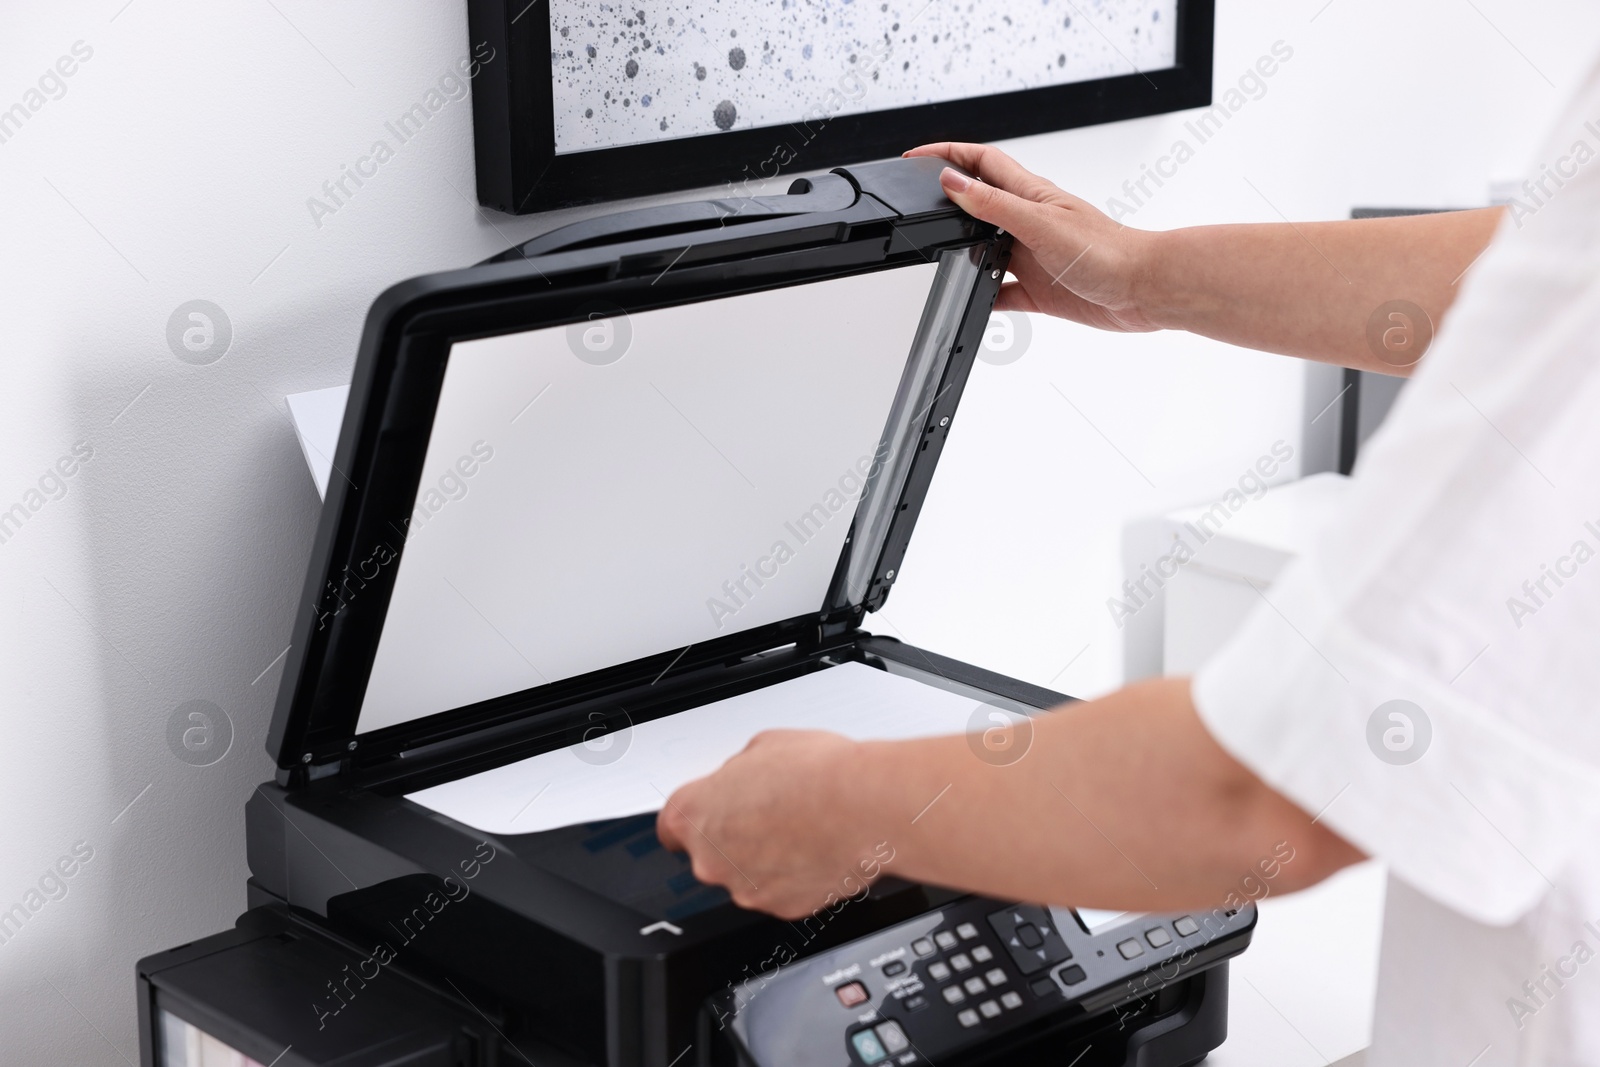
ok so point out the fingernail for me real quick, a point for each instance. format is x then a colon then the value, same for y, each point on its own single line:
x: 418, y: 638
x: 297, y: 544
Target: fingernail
x: 954, y: 180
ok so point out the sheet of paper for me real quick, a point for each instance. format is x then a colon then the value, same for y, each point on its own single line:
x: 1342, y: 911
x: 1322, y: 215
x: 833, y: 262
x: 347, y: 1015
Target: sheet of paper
x: 317, y: 417
x: 642, y: 765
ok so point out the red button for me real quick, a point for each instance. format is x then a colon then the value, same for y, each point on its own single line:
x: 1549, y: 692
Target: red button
x: 851, y: 994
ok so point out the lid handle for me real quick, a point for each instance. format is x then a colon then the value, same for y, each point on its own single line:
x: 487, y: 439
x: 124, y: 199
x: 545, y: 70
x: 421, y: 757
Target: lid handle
x: 828, y: 192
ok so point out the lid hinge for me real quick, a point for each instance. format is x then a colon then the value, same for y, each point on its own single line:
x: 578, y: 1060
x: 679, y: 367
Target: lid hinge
x: 305, y: 772
x: 831, y: 628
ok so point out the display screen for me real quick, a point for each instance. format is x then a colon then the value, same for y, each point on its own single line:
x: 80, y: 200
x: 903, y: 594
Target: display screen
x: 1093, y: 921
x: 634, y: 73
x: 624, y: 486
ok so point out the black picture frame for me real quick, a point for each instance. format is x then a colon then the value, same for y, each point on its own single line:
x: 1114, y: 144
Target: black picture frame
x: 519, y: 172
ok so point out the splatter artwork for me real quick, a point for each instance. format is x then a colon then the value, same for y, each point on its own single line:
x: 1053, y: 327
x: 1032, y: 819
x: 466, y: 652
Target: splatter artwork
x: 653, y: 71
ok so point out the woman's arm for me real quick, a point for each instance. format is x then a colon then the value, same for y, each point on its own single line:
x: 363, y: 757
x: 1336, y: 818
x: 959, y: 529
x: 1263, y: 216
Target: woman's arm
x: 1124, y: 802
x: 1344, y: 292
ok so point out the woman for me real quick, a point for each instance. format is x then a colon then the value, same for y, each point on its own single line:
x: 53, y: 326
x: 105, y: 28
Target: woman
x: 1419, y: 687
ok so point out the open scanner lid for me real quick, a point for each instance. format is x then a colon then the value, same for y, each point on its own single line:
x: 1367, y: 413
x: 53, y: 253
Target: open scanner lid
x: 664, y: 436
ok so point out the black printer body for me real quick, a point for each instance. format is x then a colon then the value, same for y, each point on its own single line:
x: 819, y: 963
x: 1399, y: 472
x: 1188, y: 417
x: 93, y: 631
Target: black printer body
x: 387, y: 928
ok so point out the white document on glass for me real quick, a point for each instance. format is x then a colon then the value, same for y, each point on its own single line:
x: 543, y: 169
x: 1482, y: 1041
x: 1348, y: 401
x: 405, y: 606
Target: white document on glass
x: 648, y: 761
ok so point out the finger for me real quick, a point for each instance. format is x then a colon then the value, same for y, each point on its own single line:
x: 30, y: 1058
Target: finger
x: 1014, y: 297
x: 793, y: 908
x: 670, y: 827
x: 1023, y: 218
x: 757, y: 740
x: 674, y: 821
x: 992, y: 165
x: 709, y: 869
x: 765, y: 737
x: 776, y: 734
x: 942, y: 149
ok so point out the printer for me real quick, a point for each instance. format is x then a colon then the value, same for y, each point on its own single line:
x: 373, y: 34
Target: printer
x: 602, y: 507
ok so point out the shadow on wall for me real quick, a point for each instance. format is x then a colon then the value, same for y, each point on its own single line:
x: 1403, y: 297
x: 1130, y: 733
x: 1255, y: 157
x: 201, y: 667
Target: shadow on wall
x: 199, y: 521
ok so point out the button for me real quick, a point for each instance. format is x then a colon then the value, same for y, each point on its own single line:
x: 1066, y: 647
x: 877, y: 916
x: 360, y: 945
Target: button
x: 894, y: 967
x: 851, y: 994
x: 974, y: 986
x: 922, y: 946
x: 916, y: 1003
x: 1043, y: 987
x: 966, y: 931
x: 1028, y: 933
x: 938, y: 971
x: 953, y: 994
x: 1130, y: 948
x: 968, y: 1018
x: 961, y: 961
x: 1071, y: 975
x: 981, y: 954
x: 996, y: 977
x: 1012, y: 999
x: 989, y: 1009
x: 946, y: 939
x: 868, y: 1047
x: 1185, y: 926
x: 1158, y: 937
x: 894, y: 1039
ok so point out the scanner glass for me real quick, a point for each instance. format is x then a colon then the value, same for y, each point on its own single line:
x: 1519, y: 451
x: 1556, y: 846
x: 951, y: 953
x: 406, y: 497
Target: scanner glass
x: 596, y: 493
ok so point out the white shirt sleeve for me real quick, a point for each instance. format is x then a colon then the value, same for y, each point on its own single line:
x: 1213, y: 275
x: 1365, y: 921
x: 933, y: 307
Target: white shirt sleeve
x: 1464, y: 578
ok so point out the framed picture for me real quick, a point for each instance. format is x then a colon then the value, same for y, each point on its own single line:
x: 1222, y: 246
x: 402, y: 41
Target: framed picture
x: 576, y: 101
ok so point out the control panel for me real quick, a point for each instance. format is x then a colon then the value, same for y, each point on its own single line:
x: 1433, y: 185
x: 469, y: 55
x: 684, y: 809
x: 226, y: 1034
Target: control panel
x: 976, y: 969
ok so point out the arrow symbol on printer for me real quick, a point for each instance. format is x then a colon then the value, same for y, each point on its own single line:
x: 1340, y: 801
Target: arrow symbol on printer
x: 655, y: 927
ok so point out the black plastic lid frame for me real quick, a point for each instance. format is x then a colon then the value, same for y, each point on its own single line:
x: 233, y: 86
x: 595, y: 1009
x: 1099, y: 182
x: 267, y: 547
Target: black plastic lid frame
x: 871, y: 557
x: 892, y: 215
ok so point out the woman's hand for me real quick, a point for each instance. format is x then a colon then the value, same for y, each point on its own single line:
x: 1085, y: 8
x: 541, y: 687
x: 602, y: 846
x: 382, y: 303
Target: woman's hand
x: 1122, y: 802
x: 1071, y: 260
x: 775, y: 827
x: 1318, y: 290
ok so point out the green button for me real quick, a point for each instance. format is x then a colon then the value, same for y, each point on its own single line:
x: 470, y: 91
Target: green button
x: 868, y: 1047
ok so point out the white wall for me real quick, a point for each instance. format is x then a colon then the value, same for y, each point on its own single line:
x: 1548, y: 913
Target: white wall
x: 177, y: 166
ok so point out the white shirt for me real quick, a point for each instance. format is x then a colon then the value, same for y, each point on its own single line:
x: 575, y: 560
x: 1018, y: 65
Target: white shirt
x: 1465, y: 579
